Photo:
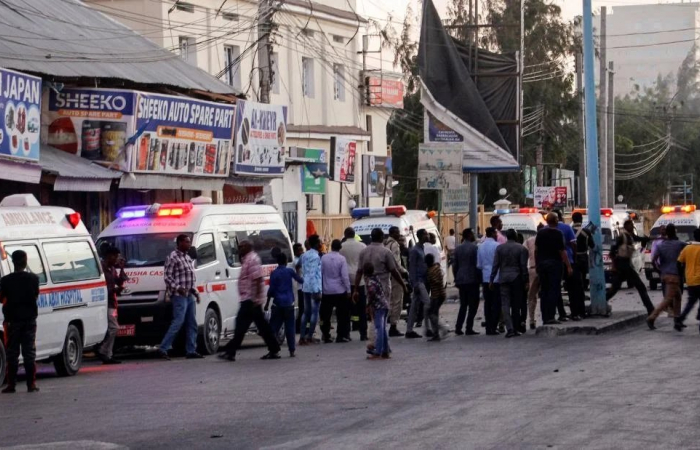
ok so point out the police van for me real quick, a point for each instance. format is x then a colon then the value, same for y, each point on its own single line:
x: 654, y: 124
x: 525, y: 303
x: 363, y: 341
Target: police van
x: 686, y: 218
x: 408, y: 222
x: 146, y: 235
x: 73, y: 293
x: 524, y: 220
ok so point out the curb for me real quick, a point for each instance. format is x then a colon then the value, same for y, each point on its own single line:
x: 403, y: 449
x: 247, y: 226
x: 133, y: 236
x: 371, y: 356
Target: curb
x: 616, y: 322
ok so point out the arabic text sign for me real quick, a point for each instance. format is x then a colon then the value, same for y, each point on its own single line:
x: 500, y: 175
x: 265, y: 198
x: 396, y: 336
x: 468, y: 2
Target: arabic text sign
x: 20, y: 115
x: 343, y: 153
x: 261, y: 138
x: 551, y: 196
x: 455, y: 201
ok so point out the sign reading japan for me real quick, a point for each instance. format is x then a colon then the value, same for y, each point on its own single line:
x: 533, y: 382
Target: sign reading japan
x: 20, y: 115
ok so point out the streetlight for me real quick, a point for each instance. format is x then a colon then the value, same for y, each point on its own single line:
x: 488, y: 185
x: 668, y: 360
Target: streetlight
x: 502, y: 192
x: 620, y: 198
x: 351, y: 204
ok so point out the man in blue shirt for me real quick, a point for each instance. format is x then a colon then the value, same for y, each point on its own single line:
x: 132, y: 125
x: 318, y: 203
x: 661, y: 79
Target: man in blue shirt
x: 573, y: 282
x: 282, y: 290
x: 417, y: 271
x: 312, y: 288
x: 492, y: 298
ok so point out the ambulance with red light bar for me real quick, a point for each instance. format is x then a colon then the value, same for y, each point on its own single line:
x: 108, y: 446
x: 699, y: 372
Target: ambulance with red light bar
x: 686, y: 218
x: 72, y: 291
x: 408, y: 221
x: 524, y: 220
x: 146, y: 235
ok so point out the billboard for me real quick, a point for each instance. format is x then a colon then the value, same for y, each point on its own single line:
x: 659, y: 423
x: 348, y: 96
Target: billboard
x: 92, y: 123
x: 314, y: 174
x: 551, y: 197
x: 260, y: 138
x: 20, y: 115
x: 343, y: 154
x: 439, y: 166
x: 455, y: 201
x: 436, y: 131
x: 387, y: 93
x: 378, y: 175
x: 182, y: 136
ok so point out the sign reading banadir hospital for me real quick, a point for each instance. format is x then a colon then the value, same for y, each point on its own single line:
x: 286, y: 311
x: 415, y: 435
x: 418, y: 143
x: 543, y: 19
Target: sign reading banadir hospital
x: 20, y: 115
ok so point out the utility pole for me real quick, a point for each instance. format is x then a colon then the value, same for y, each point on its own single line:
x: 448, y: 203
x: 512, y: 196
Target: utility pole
x: 602, y: 104
x: 265, y: 12
x: 539, y: 158
x: 611, y: 133
x: 599, y: 303
x: 582, y: 155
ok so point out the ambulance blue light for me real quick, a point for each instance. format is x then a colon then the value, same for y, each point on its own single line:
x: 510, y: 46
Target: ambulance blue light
x: 504, y: 211
x: 359, y: 213
x: 132, y: 212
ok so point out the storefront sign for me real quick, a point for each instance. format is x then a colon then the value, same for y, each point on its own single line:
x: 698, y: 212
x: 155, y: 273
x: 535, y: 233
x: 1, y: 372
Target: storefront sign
x: 439, y: 166
x: 343, y: 153
x: 455, y: 201
x: 551, y: 196
x: 378, y: 172
x: 313, y: 174
x: 261, y: 138
x: 386, y: 93
x: 182, y: 136
x: 436, y: 131
x: 92, y: 123
x: 20, y: 114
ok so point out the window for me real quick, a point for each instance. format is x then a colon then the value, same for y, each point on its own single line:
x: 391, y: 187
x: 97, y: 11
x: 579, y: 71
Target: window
x: 338, y: 39
x: 290, y: 216
x: 275, y: 63
x: 206, y: 250
x: 187, y: 49
x: 264, y: 241
x: 339, y: 82
x: 308, y: 32
x: 230, y: 246
x: 186, y: 7
x: 71, y: 261
x: 230, y: 17
x: 232, y: 65
x: 368, y: 122
x: 307, y: 77
x: 143, y: 250
x: 34, y: 263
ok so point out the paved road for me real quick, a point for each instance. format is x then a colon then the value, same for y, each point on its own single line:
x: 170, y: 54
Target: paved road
x: 630, y: 389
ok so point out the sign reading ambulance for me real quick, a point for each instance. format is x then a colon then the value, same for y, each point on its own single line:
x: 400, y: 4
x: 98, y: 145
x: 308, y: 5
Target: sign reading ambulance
x: 20, y: 114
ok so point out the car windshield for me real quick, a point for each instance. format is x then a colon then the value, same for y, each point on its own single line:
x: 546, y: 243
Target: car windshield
x: 607, y: 238
x: 684, y: 233
x: 142, y: 250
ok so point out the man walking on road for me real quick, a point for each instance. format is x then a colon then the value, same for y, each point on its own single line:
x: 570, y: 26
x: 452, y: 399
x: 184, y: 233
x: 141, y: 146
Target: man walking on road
x: 690, y: 258
x: 397, y: 293
x: 19, y: 292
x: 510, y: 265
x: 484, y: 262
x: 282, y: 291
x: 180, y: 282
x: 623, y: 252
x: 351, y: 251
x: 578, y: 258
x: 115, y: 284
x: 450, y: 246
x: 533, y: 290
x: 252, y: 299
x: 466, y: 277
x: 417, y: 271
x: 665, y: 257
x: 573, y: 282
x: 436, y: 282
x: 313, y: 286
x: 336, y: 294
x: 550, y: 257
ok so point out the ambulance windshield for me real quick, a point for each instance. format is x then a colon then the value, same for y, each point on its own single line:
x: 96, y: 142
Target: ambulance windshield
x: 142, y: 250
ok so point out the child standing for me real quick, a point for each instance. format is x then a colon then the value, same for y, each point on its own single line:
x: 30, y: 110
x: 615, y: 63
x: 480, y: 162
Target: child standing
x: 378, y: 306
x: 436, y: 284
x: 282, y: 290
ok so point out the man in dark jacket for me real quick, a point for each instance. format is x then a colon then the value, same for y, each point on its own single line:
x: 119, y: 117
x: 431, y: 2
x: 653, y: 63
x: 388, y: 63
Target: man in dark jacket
x: 19, y: 292
x: 467, y: 280
x: 510, y: 264
x: 115, y: 284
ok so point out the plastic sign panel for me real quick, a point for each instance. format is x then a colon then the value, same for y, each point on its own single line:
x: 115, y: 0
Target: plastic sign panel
x: 551, y: 197
x: 439, y: 166
x: 343, y: 154
x: 182, y: 136
x: 314, y: 174
x: 260, y: 138
x: 455, y: 201
x: 20, y: 115
x: 378, y: 175
x: 387, y: 93
x: 436, y: 131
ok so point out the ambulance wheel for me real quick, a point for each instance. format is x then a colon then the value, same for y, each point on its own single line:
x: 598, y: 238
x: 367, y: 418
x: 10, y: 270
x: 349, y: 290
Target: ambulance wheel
x: 210, y: 338
x: 68, y: 362
x: 3, y: 363
x: 653, y: 284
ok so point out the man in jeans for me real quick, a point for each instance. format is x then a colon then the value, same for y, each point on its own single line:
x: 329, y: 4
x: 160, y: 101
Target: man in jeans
x: 351, y: 250
x: 623, y: 252
x: 466, y: 277
x: 665, y: 258
x: 252, y: 299
x: 690, y: 257
x: 550, y: 254
x: 417, y: 272
x: 180, y: 285
x: 115, y: 284
x: 484, y: 262
x: 311, y: 269
x: 510, y: 264
x: 393, y: 245
x: 336, y: 294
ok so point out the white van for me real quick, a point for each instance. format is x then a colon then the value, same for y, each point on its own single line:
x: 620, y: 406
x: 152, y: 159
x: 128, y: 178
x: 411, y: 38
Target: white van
x: 73, y: 293
x: 408, y: 221
x: 146, y: 235
x: 524, y: 220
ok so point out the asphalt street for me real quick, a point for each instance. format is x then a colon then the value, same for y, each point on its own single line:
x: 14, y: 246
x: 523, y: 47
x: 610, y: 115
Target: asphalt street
x: 630, y: 389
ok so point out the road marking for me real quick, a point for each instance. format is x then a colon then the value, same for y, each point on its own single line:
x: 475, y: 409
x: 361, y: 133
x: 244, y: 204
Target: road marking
x: 70, y: 445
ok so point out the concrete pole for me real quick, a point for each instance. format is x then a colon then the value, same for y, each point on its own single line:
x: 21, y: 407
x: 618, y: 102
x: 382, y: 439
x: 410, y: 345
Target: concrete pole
x: 611, y: 134
x: 602, y: 103
x: 599, y: 304
x: 265, y: 13
x: 474, y: 202
x: 582, y: 155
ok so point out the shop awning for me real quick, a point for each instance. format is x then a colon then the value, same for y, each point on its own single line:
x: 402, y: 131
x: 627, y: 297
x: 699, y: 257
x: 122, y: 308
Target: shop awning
x: 155, y: 181
x: 20, y: 171
x: 247, y: 181
x: 74, y: 173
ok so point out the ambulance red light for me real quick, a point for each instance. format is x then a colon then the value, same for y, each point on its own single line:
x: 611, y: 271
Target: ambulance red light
x: 395, y: 210
x: 683, y: 208
x: 73, y: 219
x: 606, y: 212
x: 528, y: 210
x: 174, y: 209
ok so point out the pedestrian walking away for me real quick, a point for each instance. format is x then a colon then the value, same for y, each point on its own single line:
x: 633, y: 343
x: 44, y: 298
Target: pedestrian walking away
x: 252, y: 299
x: 180, y: 284
x: 510, y: 265
x: 466, y: 275
x: 351, y: 251
x: 312, y: 288
x: 298, y: 250
x: 497, y: 225
x: 665, y: 257
x: 282, y: 291
x: 690, y: 259
x: 551, y: 258
x: 572, y: 282
x: 450, y: 246
x: 19, y: 292
x: 577, y: 251
x: 436, y: 282
x: 115, y: 284
x: 393, y: 244
x: 378, y: 305
x: 336, y: 294
x: 484, y: 262
x: 584, y: 243
x: 622, y: 254
x: 533, y: 290
x: 417, y: 271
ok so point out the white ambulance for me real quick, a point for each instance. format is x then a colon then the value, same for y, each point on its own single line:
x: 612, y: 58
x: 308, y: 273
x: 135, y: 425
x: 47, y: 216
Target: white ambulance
x: 524, y: 220
x: 73, y: 293
x: 146, y: 235
x: 408, y: 221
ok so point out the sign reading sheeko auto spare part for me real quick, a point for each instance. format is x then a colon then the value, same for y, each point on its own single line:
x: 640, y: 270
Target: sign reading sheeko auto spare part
x: 20, y: 114
x: 182, y: 136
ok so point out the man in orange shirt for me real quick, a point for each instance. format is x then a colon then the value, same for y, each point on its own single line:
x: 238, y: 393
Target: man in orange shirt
x: 690, y: 258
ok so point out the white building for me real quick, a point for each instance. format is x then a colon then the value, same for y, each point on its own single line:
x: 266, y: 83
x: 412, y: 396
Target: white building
x: 317, y: 63
x: 646, y: 41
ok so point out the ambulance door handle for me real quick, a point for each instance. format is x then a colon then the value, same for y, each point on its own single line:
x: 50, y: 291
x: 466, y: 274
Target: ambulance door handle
x: 227, y: 275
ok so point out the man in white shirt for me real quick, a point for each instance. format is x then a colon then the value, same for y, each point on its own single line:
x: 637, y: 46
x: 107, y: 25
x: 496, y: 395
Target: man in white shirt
x: 450, y: 246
